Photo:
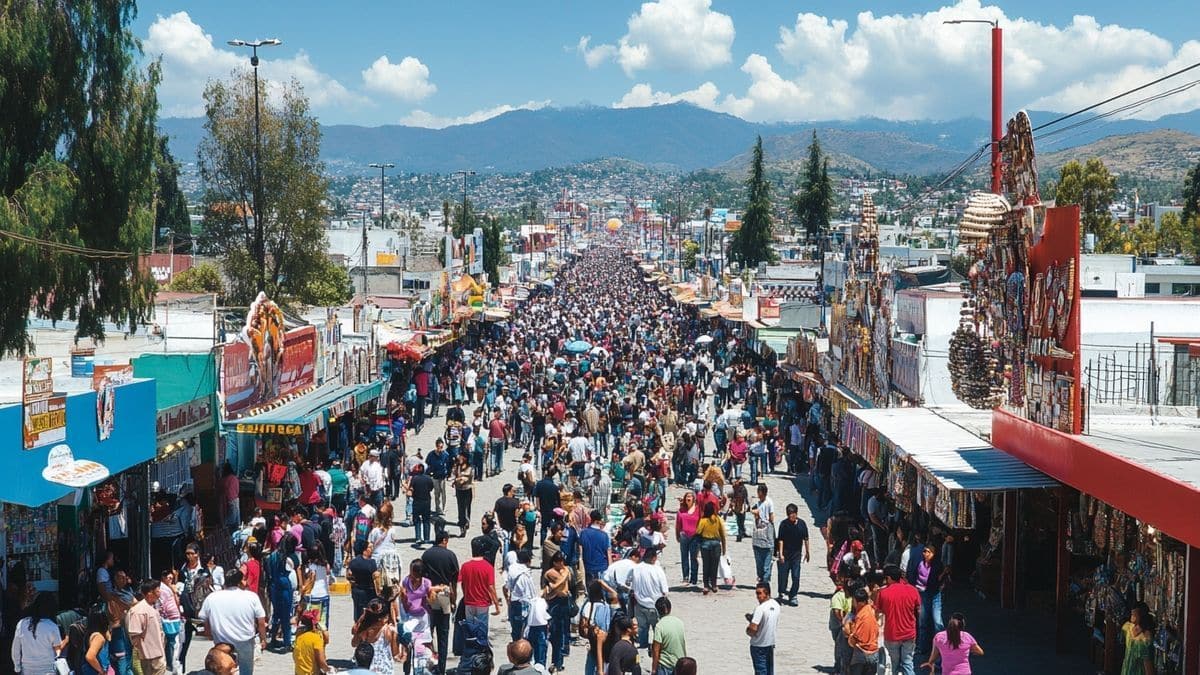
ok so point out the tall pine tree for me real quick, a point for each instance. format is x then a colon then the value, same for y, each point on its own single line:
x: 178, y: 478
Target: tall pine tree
x: 1191, y: 205
x: 751, y: 244
x: 814, y: 202
x: 77, y: 155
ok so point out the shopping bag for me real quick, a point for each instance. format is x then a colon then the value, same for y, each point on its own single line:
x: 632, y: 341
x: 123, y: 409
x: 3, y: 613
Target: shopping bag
x: 725, y: 571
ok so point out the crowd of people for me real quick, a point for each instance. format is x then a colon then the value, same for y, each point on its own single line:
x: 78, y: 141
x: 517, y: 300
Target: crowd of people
x: 630, y: 421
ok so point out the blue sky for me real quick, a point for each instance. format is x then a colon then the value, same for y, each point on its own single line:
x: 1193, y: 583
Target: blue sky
x: 439, y: 63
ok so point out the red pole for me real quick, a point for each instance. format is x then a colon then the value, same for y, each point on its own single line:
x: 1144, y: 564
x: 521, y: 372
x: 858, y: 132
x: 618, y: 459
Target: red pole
x: 997, y: 103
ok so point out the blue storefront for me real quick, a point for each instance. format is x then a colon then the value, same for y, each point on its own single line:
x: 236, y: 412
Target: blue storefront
x: 55, y: 529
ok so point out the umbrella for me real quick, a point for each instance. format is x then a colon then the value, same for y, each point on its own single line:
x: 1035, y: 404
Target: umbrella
x: 560, y: 361
x: 704, y: 339
x: 578, y: 346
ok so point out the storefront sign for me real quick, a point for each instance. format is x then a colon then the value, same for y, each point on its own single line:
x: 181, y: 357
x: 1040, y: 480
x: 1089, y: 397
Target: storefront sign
x: 280, y: 429
x: 906, y: 369
x: 45, y: 422
x: 910, y: 313
x: 184, y: 420
x: 299, y: 354
x: 83, y: 362
x: 383, y: 259
x: 64, y: 469
x: 116, y: 374
x: 768, y: 308
x: 38, y: 380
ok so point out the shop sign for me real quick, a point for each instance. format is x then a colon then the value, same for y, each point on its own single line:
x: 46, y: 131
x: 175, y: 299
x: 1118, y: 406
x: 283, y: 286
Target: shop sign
x: 299, y: 354
x: 383, y: 259
x: 115, y: 374
x: 184, y: 420
x: 910, y: 313
x: 45, y: 421
x: 768, y: 307
x: 64, y: 469
x: 278, y: 429
x: 237, y: 389
x: 906, y: 369
x: 83, y: 362
x: 37, y: 382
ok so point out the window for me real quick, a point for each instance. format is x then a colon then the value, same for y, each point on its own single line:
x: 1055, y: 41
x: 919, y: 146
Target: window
x: 1152, y: 288
x: 1185, y: 289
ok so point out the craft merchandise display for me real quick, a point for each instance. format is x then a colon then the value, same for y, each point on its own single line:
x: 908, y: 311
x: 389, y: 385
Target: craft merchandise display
x: 1138, y: 564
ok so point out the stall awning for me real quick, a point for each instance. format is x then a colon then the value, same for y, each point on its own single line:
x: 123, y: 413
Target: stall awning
x: 952, y: 456
x: 777, y: 338
x: 293, y: 417
x: 131, y: 442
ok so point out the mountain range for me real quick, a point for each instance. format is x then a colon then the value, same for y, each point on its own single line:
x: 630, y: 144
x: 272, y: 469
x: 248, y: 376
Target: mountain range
x: 679, y: 136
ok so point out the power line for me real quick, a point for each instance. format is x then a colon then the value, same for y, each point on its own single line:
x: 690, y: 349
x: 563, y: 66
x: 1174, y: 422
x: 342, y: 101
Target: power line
x: 82, y: 251
x: 1113, y: 98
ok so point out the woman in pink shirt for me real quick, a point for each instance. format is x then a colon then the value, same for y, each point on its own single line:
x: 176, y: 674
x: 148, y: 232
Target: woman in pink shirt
x: 955, y: 647
x: 172, y: 617
x: 738, y: 451
x: 685, y: 535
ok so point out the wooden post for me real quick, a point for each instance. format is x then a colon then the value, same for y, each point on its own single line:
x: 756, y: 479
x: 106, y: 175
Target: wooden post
x: 1062, y: 570
x: 1008, y: 562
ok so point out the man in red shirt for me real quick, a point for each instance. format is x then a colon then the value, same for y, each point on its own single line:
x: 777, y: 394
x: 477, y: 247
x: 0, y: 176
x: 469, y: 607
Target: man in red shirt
x: 478, y: 580
x: 421, y: 382
x: 497, y: 441
x: 900, y: 604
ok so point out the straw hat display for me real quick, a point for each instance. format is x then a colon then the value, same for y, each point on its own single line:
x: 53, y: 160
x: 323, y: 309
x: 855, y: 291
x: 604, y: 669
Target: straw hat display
x: 984, y: 211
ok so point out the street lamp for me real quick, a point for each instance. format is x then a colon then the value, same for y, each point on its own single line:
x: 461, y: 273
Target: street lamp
x: 260, y: 244
x: 997, y: 92
x: 464, y: 173
x: 383, y: 167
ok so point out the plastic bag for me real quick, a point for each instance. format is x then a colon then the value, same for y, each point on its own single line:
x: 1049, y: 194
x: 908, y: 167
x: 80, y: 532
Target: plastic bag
x: 725, y: 571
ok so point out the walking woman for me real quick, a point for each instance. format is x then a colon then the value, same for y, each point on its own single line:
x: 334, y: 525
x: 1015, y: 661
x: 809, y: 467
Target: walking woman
x: 955, y: 646
x: 170, y: 610
x: 315, y: 587
x: 373, y: 628
x: 414, y: 599
x: 464, y: 491
x: 99, y: 631
x: 711, y: 532
x: 685, y: 535
x: 281, y: 567
x: 383, y: 548
x: 620, y: 654
x: 37, y: 640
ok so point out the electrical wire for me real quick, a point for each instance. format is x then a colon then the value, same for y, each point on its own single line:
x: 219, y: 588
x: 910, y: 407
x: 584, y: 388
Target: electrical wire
x: 1106, y: 101
x: 82, y: 251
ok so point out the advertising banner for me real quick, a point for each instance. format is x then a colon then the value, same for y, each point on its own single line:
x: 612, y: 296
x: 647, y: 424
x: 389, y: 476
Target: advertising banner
x: 299, y: 357
x: 184, y: 420
x: 237, y: 389
x: 104, y: 379
x: 45, y: 415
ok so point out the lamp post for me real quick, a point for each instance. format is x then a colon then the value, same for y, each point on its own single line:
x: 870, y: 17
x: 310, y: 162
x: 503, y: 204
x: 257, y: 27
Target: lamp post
x: 465, y: 173
x: 260, y: 244
x: 383, y: 167
x: 997, y: 92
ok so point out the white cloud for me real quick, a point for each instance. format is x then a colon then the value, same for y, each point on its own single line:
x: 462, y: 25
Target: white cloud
x: 673, y: 34
x: 706, y: 95
x: 428, y: 120
x: 190, y: 59
x: 594, y: 56
x: 914, y: 66
x: 407, y: 80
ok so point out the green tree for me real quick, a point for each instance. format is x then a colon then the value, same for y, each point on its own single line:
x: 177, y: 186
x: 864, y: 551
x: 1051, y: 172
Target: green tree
x: 813, y: 204
x: 690, y: 250
x: 1093, y: 188
x: 171, y: 214
x: 465, y: 221
x: 77, y: 153
x: 751, y: 244
x: 1173, y: 237
x: 1143, y: 238
x: 294, y: 188
x: 1191, y: 194
x: 493, y: 244
x: 203, y: 278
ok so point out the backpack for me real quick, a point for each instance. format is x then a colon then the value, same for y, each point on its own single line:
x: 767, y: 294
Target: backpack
x: 202, y: 587
x: 362, y: 529
x: 77, y: 645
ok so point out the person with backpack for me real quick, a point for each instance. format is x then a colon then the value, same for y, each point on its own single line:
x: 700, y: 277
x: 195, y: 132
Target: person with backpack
x: 282, y: 565
x: 197, y: 585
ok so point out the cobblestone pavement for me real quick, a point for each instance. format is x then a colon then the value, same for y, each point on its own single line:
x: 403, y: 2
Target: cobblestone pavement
x: 716, y: 624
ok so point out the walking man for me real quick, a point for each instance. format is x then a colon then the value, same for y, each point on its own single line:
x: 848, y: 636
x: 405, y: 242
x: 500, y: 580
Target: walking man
x: 235, y: 615
x: 900, y: 604
x: 146, y: 632
x: 594, y: 543
x: 791, y: 542
x: 478, y: 579
x: 497, y: 441
x: 648, y: 583
x: 669, y: 644
x: 441, y: 566
x: 438, y: 463
x: 863, y: 635
x: 761, y: 628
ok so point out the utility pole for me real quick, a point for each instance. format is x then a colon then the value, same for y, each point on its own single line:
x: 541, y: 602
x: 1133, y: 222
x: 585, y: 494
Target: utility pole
x: 997, y: 93
x: 464, y: 173
x: 260, y: 243
x: 383, y: 167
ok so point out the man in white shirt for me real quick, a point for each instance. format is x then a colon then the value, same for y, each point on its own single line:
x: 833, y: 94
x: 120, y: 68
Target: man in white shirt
x: 520, y: 591
x: 236, y: 616
x: 371, y: 473
x: 469, y: 379
x: 619, y: 576
x: 580, y: 447
x: 648, y: 583
x: 761, y: 629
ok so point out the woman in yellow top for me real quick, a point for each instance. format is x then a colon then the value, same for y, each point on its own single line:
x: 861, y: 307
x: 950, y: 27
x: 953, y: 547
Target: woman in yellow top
x: 710, y: 530
x: 1138, y: 635
x: 308, y: 649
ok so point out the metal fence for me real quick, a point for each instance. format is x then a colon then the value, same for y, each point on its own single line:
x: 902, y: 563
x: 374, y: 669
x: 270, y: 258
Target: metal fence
x: 1142, y: 374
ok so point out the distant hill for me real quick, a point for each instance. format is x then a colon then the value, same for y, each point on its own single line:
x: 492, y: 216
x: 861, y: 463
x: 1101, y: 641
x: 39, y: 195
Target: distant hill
x: 1161, y: 155
x: 679, y: 136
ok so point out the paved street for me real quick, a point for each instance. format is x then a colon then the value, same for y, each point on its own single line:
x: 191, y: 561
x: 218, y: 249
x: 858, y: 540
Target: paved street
x: 715, y: 624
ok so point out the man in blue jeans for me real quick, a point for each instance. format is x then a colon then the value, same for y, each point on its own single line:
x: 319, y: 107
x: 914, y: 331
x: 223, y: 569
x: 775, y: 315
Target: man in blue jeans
x: 791, y: 546
x: 761, y: 628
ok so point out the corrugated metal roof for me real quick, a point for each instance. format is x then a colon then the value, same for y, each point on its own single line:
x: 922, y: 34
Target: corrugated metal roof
x: 954, y: 457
